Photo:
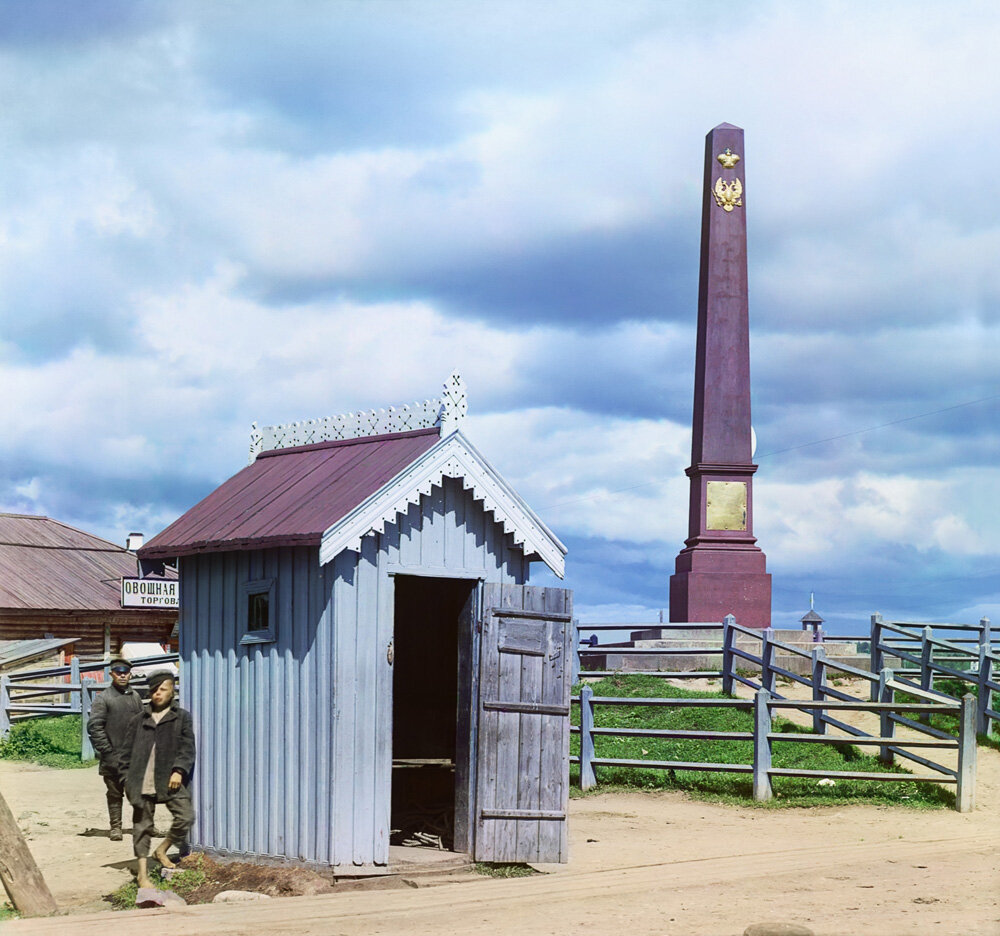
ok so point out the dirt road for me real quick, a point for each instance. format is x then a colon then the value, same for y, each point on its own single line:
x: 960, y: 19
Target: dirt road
x: 641, y: 864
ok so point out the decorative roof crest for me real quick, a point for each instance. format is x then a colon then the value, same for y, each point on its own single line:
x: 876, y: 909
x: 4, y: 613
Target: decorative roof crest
x: 447, y: 411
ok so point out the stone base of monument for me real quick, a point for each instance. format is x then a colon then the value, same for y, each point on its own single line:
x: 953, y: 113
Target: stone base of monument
x: 618, y: 658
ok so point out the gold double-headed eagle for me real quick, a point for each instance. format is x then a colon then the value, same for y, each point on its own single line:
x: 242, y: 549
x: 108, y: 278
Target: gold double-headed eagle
x: 728, y: 195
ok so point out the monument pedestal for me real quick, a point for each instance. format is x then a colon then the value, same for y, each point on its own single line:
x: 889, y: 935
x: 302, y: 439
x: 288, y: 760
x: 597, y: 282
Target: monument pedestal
x: 712, y: 589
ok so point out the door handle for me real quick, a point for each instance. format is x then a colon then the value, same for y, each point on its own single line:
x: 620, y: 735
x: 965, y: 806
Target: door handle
x: 390, y: 653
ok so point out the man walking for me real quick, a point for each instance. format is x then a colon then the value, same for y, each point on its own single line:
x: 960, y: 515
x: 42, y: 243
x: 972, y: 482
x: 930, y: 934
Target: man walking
x: 159, y: 758
x: 112, y: 711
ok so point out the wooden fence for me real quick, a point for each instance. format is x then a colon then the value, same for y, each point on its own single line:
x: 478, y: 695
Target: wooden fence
x: 968, y: 656
x: 763, y: 705
x: 826, y: 704
x: 61, y: 690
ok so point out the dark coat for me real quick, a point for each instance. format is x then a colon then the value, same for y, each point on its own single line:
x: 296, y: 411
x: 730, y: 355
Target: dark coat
x: 174, y: 739
x: 110, y: 716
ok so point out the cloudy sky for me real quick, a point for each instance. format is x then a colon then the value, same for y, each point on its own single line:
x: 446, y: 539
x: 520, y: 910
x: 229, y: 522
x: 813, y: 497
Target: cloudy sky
x: 219, y: 212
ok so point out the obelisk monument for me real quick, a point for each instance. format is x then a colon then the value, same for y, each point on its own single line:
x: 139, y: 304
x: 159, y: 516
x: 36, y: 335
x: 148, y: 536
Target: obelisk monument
x: 721, y: 570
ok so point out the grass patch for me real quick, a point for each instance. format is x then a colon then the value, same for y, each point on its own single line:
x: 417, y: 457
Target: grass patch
x: 503, y: 869
x: 726, y: 787
x: 7, y: 912
x: 53, y: 742
x: 183, y: 883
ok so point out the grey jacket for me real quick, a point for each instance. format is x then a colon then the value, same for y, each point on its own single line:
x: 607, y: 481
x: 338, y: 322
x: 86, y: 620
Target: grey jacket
x: 108, y: 726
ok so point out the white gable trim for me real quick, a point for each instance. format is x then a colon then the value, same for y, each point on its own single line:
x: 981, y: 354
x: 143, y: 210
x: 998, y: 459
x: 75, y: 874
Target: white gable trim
x: 452, y: 457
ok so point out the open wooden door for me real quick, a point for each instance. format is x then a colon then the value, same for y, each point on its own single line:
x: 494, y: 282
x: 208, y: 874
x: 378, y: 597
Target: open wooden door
x: 522, y: 762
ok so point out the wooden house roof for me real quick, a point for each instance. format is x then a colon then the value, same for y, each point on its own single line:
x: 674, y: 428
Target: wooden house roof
x: 333, y: 494
x: 290, y: 496
x: 46, y: 565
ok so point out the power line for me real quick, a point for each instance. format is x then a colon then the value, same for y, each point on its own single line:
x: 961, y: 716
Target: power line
x: 844, y: 435
x: 894, y: 422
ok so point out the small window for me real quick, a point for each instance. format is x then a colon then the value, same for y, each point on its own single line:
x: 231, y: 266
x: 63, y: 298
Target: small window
x: 257, y: 612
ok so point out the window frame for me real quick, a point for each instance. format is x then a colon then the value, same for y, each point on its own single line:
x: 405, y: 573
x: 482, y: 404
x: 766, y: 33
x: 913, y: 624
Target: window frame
x: 264, y: 586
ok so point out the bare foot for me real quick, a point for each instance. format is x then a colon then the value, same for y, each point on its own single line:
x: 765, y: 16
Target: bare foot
x: 161, y: 855
x: 142, y: 873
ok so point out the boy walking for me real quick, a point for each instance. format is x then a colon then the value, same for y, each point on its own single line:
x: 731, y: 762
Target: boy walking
x: 159, y: 760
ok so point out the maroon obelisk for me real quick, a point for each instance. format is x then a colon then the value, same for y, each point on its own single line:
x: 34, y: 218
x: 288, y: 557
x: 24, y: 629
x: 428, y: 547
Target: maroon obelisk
x: 721, y: 570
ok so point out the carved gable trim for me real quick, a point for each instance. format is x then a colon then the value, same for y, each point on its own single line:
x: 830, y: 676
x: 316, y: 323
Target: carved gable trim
x: 452, y: 457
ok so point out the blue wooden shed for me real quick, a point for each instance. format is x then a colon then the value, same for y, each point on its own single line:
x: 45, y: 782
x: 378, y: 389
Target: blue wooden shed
x: 361, y: 650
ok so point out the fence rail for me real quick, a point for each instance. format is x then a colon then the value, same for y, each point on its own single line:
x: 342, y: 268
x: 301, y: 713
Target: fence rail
x: 21, y: 693
x: 971, y: 659
x: 763, y: 706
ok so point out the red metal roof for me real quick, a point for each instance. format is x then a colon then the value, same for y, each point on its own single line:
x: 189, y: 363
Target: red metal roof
x: 46, y: 565
x: 289, y: 497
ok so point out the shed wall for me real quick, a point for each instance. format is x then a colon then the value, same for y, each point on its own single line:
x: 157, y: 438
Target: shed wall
x: 294, y: 737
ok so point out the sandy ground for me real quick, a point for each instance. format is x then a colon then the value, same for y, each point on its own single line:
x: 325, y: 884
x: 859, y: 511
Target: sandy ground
x: 641, y: 863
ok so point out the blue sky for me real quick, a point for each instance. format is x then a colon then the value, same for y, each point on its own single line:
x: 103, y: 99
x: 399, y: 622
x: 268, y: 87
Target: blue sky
x: 215, y: 213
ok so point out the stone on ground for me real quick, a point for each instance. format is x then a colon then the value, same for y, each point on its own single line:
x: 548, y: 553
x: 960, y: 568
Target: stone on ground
x: 238, y: 896
x: 777, y: 929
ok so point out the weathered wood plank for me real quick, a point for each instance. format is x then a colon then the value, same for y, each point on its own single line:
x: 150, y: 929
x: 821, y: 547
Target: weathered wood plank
x: 508, y: 753
x: 553, y: 838
x: 486, y: 766
x: 345, y: 625
x: 384, y: 627
x: 531, y: 637
x: 365, y: 727
x: 28, y: 892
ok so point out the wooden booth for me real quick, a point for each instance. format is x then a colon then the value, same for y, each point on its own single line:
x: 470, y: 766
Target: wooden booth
x: 362, y: 654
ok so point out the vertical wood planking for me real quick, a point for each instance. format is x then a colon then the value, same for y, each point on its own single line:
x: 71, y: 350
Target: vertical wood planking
x: 384, y: 625
x: 475, y: 533
x: 345, y: 638
x: 320, y: 726
x: 554, y: 768
x: 191, y: 690
x: 230, y: 786
x: 489, y: 723
x: 530, y: 740
x: 432, y: 538
x: 213, y: 754
x: 293, y: 665
x: 453, y: 522
x: 508, y: 738
x: 246, y: 774
x: 365, y: 591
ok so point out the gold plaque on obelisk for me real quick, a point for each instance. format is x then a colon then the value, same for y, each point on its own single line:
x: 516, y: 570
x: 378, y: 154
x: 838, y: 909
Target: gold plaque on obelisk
x: 726, y: 505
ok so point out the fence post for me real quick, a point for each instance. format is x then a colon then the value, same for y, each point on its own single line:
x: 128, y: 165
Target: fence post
x: 965, y: 794
x: 926, y: 659
x: 926, y: 666
x: 86, y: 701
x: 875, y: 655
x: 818, y: 685
x: 575, y: 675
x: 984, y: 627
x: 984, y: 702
x: 728, y: 636
x: 761, y: 746
x: 766, y: 661
x: 74, y: 678
x: 4, y: 706
x: 588, y: 778
x: 887, y: 727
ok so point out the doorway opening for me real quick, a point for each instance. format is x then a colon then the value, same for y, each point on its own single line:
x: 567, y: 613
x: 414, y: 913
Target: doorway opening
x: 432, y: 693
